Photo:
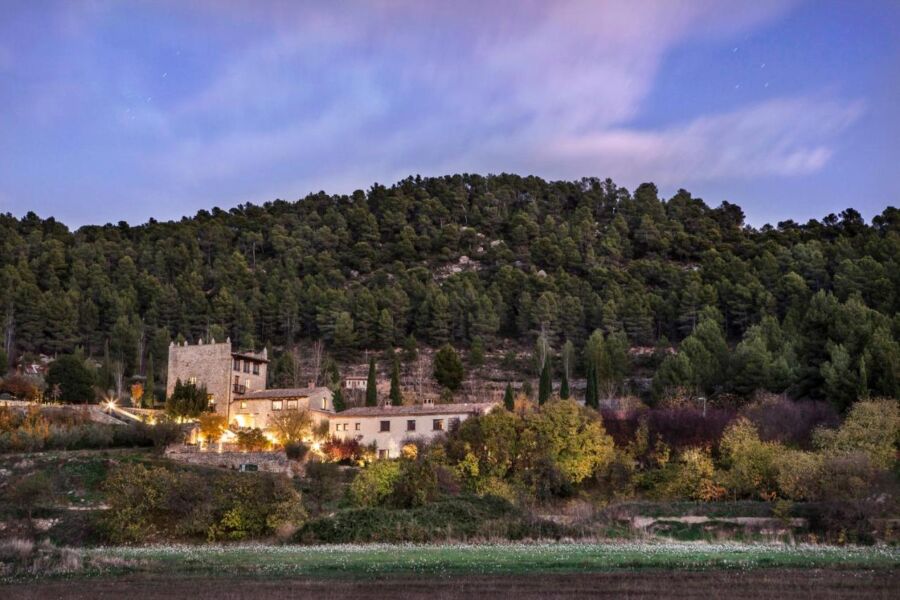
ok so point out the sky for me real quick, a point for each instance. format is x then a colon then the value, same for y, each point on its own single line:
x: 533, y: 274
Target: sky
x: 129, y: 110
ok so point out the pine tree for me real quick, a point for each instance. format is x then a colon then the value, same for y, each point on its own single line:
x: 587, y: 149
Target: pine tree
x: 372, y: 385
x: 545, y: 388
x: 509, y: 399
x: 396, y: 397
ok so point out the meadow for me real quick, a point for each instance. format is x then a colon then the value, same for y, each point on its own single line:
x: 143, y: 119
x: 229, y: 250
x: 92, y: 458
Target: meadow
x: 378, y: 560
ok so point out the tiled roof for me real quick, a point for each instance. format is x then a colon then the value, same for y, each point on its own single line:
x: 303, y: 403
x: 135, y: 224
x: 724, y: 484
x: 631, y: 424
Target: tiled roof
x: 418, y: 410
x: 250, y: 356
x: 285, y: 393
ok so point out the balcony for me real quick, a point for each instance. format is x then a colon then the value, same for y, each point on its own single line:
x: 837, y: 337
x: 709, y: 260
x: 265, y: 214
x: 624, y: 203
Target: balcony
x: 239, y: 388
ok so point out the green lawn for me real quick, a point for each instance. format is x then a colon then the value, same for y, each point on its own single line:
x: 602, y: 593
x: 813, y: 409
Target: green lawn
x: 490, y: 559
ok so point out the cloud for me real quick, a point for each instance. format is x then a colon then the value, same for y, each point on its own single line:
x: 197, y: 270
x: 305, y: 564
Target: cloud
x: 783, y: 137
x: 284, y: 98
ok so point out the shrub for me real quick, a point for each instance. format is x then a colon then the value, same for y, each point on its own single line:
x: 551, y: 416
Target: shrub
x: 212, y: 426
x: 19, y: 386
x: 252, y: 440
x: 798, y: 474
x: 452, y: 519
x: 154, y: 503
x: 778, y: 419
x: 30, y: 492
x: 374, y: 484
x: 295, y: 450
x: 165, y: 433
x: 751, y: 462
x: 871, y: 427
x: 322, y: 484
x: 338, y: 450
x: 416, y: 484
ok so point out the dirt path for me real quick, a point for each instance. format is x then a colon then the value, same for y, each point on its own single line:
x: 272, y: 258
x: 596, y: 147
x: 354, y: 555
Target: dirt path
x: 754, y: 584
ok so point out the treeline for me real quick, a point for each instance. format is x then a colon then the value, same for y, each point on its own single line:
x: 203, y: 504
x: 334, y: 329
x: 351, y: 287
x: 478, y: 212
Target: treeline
x: 811, y: 309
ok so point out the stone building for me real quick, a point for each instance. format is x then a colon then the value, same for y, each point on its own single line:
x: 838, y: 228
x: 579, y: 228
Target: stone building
x: 389, y: 427
x: 236, y: 383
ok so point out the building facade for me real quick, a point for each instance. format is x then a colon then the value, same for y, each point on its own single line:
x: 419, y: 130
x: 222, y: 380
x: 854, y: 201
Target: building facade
x: 390, y: 427
x: 236, y: 383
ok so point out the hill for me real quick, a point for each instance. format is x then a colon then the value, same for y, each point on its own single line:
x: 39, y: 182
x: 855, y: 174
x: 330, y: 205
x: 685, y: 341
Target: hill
x: 479, y: 261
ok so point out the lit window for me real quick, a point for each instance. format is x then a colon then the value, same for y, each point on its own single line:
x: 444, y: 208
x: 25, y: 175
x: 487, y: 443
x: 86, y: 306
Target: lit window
x: 192, y: 381
x: 385, y: 426
x: 211, y: 399
x: 277, y: 404
x: 438, y: 425
x: 292, y: 404
x: 411, y: 425
x: 243, y: 404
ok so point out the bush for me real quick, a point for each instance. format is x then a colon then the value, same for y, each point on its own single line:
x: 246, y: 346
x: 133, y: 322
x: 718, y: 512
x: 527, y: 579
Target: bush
x: 751, y: 462
x: 322, y: 484
x: 374, y: 484
x: 457, y: 519
x: 295, y: 450
x: 157, y: 504
x: 871, y: 427
x: 346, y: 451
x: 252, y: 440
x: 781, y: 420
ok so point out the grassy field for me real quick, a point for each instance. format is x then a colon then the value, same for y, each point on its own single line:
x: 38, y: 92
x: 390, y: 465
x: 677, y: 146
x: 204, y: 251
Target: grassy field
x: 522, y: 571
x: 491, y: 559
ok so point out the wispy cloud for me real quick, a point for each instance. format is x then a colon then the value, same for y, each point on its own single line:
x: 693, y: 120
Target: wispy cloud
x: 291, y: 97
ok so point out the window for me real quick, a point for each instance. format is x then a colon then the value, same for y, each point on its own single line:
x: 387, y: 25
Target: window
x: 256, y: 368
x: 292, y: 405
x: 243, y: 404
x: 246, y: 366
x: 411, y: 425
x: 237, y: 364
x: 192, y: 381
x: 211, y: 399
x: 337, y: 427
x: 385, y: 426
x: 324, y: 404
x: 438, y: 425
x: 357, y: 427
x: 277, y: 404
x: 382, y: 454
x: 454, y: 423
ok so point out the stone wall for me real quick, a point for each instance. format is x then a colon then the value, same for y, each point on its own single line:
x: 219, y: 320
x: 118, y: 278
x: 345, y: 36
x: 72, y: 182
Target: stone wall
x: 272, y: 462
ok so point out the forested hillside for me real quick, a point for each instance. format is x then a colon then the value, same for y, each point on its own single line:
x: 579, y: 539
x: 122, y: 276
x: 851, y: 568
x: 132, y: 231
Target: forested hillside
x: 807, y: 308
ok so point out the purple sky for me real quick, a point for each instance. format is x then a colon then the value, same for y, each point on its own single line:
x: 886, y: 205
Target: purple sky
x: 114, y: 110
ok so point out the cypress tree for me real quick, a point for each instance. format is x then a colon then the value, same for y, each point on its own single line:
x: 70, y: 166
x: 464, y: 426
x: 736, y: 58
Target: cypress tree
x: 371, y: 385
x: 564, y: 386
x: 149, y: 397
x: 509, y: 399
x: 337, y: 399
x: 545, y: 387
x: 591, y: 398
x: 396, y: 398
